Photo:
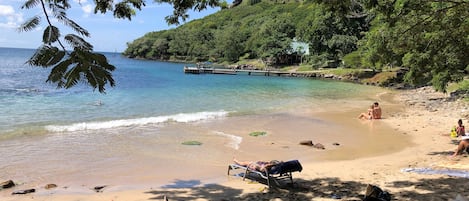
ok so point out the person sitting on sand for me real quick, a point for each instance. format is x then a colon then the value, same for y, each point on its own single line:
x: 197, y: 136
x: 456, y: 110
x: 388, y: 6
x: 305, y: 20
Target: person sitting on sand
x: 376, y: 111
x: 367, y: 115
x: 258, y: 165
x: 460, y: 131
x: 462, y: 146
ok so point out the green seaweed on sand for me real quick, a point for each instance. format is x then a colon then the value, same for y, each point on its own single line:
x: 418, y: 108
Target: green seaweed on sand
x: 192, y: 143
x: 258, y: 133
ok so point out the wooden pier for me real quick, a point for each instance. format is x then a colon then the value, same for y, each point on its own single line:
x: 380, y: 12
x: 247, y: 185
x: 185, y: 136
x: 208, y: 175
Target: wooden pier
x: 210, y: 70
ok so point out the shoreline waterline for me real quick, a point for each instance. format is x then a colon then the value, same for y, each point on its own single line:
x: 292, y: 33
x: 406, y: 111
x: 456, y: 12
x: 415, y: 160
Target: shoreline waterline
x: 131, y: 138
x: 223, y: 138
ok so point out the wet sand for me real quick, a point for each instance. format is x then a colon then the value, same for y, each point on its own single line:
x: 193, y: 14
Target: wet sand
x: 370, y: 152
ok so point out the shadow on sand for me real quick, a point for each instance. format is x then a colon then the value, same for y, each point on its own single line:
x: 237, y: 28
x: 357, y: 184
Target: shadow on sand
x: 441, y: 189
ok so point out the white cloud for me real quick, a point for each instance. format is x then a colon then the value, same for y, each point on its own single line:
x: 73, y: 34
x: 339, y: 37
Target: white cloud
x: 6, y: 10
x: 9, y: 18
x: 80, y: 1
x: 88, y: 8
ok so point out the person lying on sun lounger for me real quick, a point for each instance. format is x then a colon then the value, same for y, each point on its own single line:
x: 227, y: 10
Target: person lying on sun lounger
x: 257, y: 165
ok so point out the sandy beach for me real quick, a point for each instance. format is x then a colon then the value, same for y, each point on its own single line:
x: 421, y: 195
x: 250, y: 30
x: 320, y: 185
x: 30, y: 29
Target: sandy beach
x: 414, y: 133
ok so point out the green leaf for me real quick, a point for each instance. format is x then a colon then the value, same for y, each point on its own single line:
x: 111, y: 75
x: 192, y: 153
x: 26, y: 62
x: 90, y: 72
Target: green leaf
x: 30, y: 4
x: 70, y: 23
x: 73, y: 75
x: 138, y: 4
x: 46, y: 56
x: 123, y: 10
x: 78, y: 42
x: 57, y: 57
x: 29, y: 25
x: 82, y: 65
x: 51, y: 35
x: 57, y: 73
x: 103, y: 6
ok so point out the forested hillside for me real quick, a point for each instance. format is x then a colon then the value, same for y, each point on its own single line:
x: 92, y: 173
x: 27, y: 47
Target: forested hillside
x: 428, y: 38
x: 255, y: 30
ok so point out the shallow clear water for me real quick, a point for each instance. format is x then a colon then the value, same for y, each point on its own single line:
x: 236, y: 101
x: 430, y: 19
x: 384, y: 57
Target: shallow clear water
x: 79, y: 134
x: 146, y: 92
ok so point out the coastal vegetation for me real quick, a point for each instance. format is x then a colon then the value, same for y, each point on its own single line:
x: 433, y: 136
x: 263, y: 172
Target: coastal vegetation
x: 427, y: 40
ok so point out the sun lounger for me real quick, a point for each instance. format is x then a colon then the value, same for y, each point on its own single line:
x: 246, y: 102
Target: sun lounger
x: 277, y: 173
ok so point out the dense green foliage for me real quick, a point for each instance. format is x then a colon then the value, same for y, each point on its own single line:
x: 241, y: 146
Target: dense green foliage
x: 428, y: 38
x: 258, y: 29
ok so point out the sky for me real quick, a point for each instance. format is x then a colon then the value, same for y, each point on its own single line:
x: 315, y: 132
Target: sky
x: 107, y: 33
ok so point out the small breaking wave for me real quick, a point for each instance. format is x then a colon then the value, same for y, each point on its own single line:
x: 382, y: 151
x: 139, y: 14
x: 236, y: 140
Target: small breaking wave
x: 182, y: 118
x: 234, y: 142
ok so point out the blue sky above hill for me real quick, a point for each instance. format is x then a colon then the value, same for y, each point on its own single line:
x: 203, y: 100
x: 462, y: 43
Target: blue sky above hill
x: 106, y: 32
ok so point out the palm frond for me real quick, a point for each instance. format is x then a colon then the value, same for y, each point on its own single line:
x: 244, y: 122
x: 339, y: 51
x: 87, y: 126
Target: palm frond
x: 103, y: 62
x: 57, y: 73
x: 82, y: 65
x: 46, y: 56
x: 30, y: 4
x: 57, y: 57
x: 29, y: 25
x: 68, y: 22
x: 78, y: 43
x: 51, y: 35
x: 58, y: 11
x: 61, y: 3
x: 98, y: 75
x: 73, y: 75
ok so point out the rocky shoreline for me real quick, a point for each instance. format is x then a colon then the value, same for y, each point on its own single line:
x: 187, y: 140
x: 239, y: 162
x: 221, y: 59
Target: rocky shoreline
x: 426, y: 98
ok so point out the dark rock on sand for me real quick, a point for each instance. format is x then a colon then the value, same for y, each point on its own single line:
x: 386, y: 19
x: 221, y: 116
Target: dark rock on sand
x: 307, y: 143
x: 7, y: 184
x: 26, y: 191
x: 49, y: 186
x: 319, y: 146
x: 99, y: 189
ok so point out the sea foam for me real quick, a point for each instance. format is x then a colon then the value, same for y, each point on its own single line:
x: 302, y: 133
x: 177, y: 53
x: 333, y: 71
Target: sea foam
x: 234, y: 142
x: 183, y: 118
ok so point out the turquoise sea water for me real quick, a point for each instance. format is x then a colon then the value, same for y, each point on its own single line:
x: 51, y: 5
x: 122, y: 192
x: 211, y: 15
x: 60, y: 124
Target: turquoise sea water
x: 147, y: 92
x: 133, y: 133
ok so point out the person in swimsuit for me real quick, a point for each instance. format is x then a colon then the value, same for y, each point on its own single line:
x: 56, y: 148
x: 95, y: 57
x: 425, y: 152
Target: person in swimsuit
x: 462, y: 146
x: 376, y: 111
x: 257, y: 165
x: 368, y: 115
x: 460, y: 131
x: 464, y: 143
